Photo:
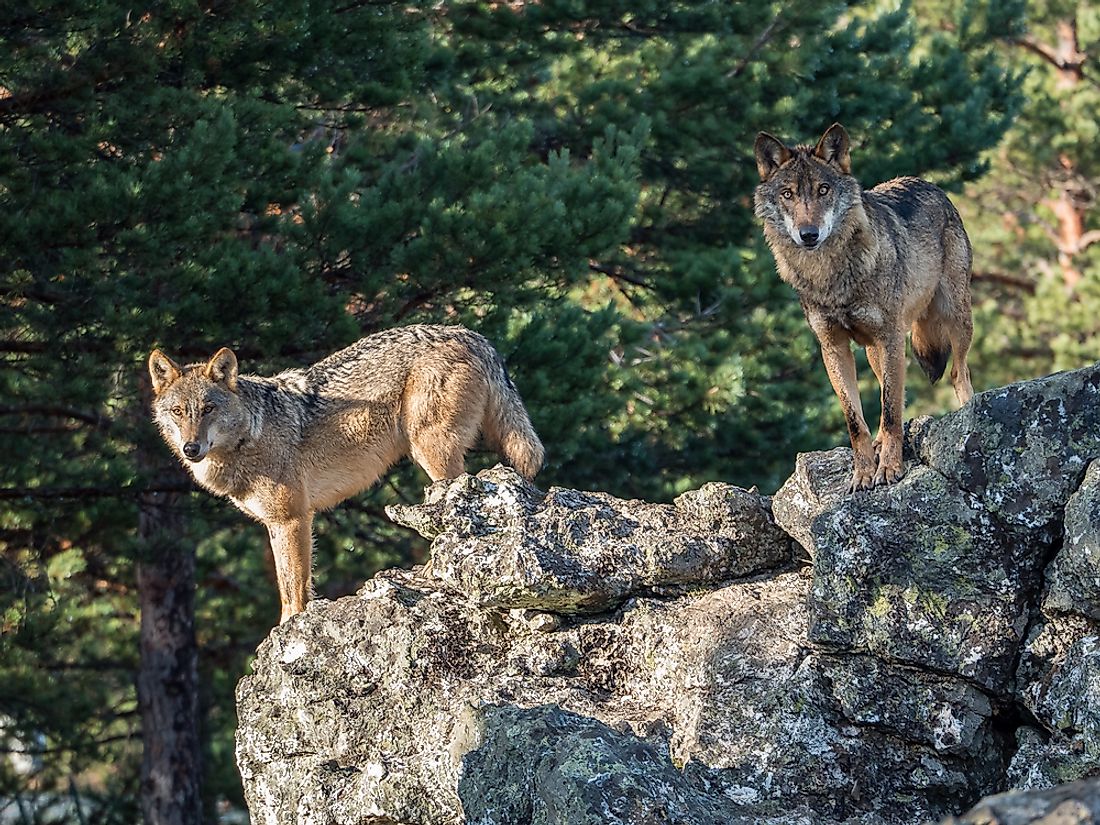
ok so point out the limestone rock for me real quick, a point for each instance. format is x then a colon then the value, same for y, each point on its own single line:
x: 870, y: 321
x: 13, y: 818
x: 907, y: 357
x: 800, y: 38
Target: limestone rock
x: 499, y: 539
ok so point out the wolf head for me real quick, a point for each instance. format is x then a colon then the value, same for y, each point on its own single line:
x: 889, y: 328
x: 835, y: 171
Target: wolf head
x: 197, y: 407
x: 805, y: 191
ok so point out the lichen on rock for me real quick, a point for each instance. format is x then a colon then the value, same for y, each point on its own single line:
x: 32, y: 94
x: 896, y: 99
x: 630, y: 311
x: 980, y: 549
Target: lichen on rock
x: 502, y: 541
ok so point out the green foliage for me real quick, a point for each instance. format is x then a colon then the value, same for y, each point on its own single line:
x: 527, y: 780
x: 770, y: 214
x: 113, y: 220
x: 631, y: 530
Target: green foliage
x: 1034, y: 220
x: 573, y: 179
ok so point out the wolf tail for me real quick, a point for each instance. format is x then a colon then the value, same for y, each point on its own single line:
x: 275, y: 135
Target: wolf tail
x: 931, y: 349
x: 507, y: 427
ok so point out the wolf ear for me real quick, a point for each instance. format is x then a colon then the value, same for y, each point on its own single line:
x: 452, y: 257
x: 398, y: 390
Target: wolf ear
x: 222, y: 368
x: 163, y: 370
x: 771, y: 153
x: 833, y: 148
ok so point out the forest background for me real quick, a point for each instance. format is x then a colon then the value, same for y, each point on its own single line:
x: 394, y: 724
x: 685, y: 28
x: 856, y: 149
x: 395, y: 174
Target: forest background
x: 573, y: 179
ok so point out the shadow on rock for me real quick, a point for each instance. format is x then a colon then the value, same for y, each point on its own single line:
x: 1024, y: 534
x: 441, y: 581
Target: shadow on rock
x: 546, y: 766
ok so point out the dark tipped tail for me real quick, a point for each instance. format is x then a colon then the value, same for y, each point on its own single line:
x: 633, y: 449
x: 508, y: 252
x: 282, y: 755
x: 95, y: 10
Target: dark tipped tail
x: 933, y: 361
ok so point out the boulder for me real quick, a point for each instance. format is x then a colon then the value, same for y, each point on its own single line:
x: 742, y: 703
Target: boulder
x: 918, y: 573
x: 1058, y: 681
x: 505, y: 543
x: 1022, y: 449
x: 704, y: 704
x: 1076, y: 803
x: 1074, y: 575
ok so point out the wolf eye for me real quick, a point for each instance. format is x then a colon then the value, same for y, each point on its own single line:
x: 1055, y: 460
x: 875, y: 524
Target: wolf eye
x: 823, y: 189
x: 207, y: 409
x: 176, y: 411
x: 787, y: 194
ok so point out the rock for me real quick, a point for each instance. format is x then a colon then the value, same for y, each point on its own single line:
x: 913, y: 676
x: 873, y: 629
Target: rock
x: 1022, y: 449
x: 820, y: 482
x: 1059, y: 683
x: 918, y: 573
x: 500, y: 540
x: 533, y: 765
x: 571, y: 658
x: 1077, y: 803
x: 1074, y: 575
x: 1043, y: 760
x: 700, y: 708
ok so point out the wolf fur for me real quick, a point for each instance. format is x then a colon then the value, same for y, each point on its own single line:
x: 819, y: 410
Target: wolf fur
x: 868, y: 266
x: 284, y: 447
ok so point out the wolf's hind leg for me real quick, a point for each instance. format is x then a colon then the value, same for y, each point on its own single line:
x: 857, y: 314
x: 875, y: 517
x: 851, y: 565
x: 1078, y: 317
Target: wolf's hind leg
x: 445, y: 406
x: 946, y: 329
x: 962, y: 332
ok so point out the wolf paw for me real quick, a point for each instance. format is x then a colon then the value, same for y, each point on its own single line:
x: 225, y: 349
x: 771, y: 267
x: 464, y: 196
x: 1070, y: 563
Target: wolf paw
x: 863, y: 473
x: 889, y: 472
x: 886, y: 476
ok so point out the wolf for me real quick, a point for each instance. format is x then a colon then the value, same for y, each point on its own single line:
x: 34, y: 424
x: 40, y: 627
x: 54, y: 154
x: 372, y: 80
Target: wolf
x: 868, y: 266
x: 285, y: 447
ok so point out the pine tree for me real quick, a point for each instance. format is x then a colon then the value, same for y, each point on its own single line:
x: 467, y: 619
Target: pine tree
x: 1035, y: 219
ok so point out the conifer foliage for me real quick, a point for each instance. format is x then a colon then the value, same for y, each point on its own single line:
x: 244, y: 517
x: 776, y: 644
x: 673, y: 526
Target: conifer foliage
x: 573, y: 179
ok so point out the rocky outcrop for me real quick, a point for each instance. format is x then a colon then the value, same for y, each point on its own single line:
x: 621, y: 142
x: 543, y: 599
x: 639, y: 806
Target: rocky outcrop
x: 576, y: 552
x: 573, y: 658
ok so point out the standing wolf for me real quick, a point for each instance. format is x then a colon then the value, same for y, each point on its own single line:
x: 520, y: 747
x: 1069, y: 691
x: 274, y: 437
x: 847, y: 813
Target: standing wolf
x: 282, y: 448
x: 868, y: 267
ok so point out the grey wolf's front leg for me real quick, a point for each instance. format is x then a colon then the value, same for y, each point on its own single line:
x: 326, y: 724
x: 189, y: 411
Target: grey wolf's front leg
x: 890, y: 355
x: 292, y: 546
x: 840, y: 364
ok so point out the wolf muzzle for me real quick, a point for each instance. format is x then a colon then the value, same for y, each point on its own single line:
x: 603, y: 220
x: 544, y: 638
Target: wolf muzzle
x: 809, y: 235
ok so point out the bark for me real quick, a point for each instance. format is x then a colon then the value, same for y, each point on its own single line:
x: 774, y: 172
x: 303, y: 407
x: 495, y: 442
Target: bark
x: 1071, y: 229
x: 171, y: 767
x: 167, y: 680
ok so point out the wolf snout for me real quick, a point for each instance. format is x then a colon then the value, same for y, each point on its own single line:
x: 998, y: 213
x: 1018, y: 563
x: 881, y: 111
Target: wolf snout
x: 193, y: 451
x: 809, y: 235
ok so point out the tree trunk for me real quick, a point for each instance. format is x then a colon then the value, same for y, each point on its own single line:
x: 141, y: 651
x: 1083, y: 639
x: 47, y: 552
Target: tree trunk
x: 1072, y: 202
x: 171, y: 766
x: 1071, y: 229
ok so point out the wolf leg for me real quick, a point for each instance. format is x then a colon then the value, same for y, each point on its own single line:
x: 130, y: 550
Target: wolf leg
x: 444, y: 410
x: 840, y: 364
x: 890, y: 354
x: 961, y: 332
x: 875, y: 360
x: 292, y: 546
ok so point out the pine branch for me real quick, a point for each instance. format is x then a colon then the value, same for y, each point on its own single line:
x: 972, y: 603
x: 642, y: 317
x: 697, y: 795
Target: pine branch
x: 1014, y: 281
x: 758, y: 44
x: 94, y: 419
x: 85, y: 493
x: 619, y: 274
